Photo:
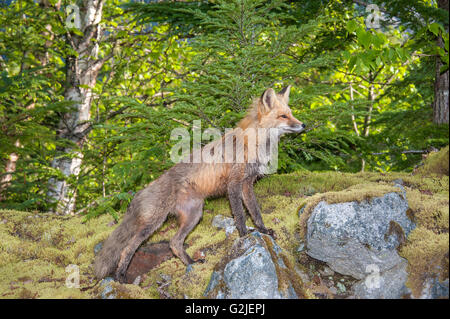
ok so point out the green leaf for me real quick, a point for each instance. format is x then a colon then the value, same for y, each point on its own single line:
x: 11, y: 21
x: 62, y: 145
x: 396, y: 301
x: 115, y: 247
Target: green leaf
x: 364, y: 37
x: 76, y: 31
x: 435, y: 28
x: 351, y: 26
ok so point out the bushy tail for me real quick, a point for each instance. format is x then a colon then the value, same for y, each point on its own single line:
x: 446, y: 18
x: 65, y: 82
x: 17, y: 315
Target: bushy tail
x: 107, y: 259
x: 146, y: 213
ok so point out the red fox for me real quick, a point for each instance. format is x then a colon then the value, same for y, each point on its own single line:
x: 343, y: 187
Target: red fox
x: 182, y: 189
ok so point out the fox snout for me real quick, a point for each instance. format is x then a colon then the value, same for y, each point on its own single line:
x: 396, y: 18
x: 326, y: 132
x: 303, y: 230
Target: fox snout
x: 297, y: 127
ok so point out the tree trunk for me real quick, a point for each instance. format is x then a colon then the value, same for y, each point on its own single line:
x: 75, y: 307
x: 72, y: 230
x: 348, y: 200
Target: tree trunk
x: 10, y: 168
x: 440, y: 104
x: 81, y: 76
x: 355, y: 125
x: 368, y: 117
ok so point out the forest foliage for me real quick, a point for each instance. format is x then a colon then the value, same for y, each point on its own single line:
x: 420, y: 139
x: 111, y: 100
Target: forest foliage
x: 364, y: 90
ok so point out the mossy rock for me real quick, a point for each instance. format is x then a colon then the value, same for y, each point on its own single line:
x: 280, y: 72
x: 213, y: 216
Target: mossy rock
x: 426, y: 248
x: 255, y: 267
x: 356, y: 193
x: 436, y: 163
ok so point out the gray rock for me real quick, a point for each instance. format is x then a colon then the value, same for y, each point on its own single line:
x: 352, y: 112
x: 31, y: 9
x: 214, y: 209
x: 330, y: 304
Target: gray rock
x: 250, y: 271
x: 301, y: 210
x: 165, y: 277
x: 189, y: 268
x: 398, y: 181
x: 225, y: 223
x: 98, y: 247
x: 301, y: 247
x: 333, y: 290
x: 400, y: 184
x: 435, y: 289
x: 387, y: 285
x: 107, y: 289
x: 137, y: 281
x: 327, y: 271
x: 302, y: 274
x: 353, y: 236
x: 360, y: 240
x: 341, y: 287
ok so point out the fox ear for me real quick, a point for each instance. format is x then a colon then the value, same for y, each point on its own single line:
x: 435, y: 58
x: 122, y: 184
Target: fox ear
x: 268, y: 99
x: 285, y: 93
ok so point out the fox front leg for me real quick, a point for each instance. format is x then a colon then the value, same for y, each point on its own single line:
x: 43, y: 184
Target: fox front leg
x: 235, y: 197
x: 248, y: 195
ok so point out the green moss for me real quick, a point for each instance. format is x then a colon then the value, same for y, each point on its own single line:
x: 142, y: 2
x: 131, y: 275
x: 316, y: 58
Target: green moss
x: 436, y: 163
x: 427, y: 255
x: 34, y: 251
x: 427, y: 247
x: 127, y: 291
x: 40, y: 247
x: 430, y: 210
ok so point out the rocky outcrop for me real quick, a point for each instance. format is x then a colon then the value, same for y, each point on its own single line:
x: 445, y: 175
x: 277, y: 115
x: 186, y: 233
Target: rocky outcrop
x: 255, y: 267
x: 360, y: 239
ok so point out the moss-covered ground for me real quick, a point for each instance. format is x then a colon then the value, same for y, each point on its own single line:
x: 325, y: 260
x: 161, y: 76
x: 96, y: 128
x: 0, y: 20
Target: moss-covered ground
x: 36, y: 248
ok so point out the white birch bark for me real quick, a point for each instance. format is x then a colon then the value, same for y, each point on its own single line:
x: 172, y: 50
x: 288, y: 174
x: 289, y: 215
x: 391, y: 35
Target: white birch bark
x: 81, y: 77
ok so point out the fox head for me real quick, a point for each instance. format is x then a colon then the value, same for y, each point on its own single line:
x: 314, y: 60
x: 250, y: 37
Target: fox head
x: 271, y: 110
x: 274, y: 112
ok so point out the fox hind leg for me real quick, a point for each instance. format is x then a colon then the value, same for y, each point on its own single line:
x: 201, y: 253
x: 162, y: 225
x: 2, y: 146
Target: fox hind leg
x: 189, y: 211
x: 142, y: 233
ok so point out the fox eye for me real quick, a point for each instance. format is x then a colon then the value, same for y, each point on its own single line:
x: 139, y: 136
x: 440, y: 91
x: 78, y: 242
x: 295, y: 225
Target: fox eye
x: 283, y: 116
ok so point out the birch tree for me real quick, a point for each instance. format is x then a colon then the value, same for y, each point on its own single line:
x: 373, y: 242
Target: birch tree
x: 82, y: 66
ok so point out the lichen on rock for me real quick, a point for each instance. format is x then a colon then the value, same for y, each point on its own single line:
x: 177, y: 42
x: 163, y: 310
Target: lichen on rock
x: 254, y: 268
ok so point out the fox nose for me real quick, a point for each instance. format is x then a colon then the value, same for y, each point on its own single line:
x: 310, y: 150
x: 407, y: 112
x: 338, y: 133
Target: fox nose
x: 303, y: 125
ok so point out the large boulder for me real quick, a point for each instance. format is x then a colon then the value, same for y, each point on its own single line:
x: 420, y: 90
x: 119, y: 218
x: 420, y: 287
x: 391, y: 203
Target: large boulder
x: 255, y: 267
x: 360, y: 239
x: 389, y: 284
